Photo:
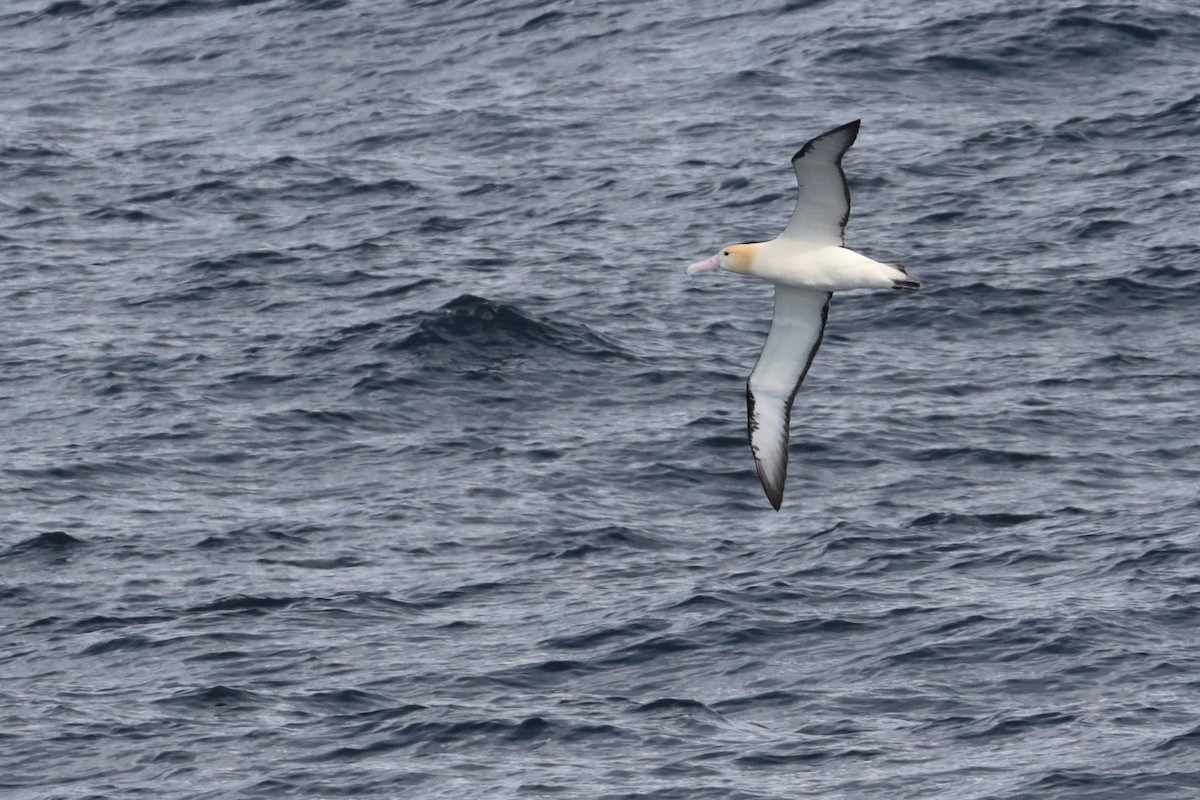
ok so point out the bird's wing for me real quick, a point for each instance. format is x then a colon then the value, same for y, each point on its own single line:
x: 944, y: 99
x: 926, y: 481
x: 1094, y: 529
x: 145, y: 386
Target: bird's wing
x: 796, y: 331
x: 823, y: 201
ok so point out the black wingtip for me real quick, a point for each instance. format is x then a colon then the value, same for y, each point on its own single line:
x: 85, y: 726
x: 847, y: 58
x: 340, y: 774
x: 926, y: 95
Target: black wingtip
x: 773, y: 489
x: 852, y: 127
x: 906, y: 285
x: 774, y: 495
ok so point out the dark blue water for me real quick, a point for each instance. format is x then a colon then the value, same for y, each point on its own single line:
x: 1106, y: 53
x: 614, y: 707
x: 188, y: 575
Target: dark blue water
x: 360, y: 435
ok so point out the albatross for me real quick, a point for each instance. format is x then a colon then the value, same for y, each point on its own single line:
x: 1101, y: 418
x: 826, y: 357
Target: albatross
x: 808, y: 262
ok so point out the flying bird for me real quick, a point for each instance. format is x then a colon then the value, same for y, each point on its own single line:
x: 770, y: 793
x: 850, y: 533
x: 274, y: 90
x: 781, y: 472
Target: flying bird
x: 807, y: 263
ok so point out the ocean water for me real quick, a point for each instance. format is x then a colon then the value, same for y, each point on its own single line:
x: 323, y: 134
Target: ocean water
x: 361, y: 436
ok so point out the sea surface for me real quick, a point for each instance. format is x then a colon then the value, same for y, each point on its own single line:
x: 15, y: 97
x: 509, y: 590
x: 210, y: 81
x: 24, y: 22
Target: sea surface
x: 362, y: 437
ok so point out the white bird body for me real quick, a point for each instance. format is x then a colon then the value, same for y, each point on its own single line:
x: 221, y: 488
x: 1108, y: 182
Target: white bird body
x: 807, y: 263
x: 819, y: 267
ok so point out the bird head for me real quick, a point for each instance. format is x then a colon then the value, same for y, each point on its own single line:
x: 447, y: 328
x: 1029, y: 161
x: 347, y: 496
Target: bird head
x: 733, y: 258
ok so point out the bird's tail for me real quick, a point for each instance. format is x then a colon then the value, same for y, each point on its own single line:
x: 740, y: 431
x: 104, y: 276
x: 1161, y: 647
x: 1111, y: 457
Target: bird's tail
x: 905, y: 284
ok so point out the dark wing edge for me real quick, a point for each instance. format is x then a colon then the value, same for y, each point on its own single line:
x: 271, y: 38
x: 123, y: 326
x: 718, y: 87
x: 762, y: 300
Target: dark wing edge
x: 773, y: 480
x: 851, y: 131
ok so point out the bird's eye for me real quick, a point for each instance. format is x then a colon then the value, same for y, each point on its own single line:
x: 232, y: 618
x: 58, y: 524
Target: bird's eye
x: 725, y: 253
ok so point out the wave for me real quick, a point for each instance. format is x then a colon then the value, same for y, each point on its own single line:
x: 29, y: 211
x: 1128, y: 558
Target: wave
x: 218, y: 696
x: 475, y: 326
x: 434, y: 735
x: 1011, y: 41
x: 57, y: 544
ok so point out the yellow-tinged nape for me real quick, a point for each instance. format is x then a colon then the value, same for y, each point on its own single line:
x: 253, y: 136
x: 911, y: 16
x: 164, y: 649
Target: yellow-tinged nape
x: 738, y: 258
